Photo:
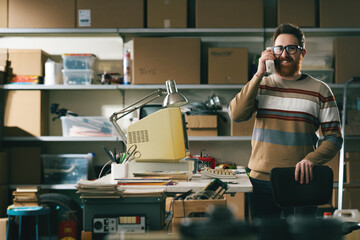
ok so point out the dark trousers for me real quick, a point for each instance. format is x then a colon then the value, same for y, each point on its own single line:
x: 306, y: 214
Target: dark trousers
x: 262, y: 204
x: 261, y: 201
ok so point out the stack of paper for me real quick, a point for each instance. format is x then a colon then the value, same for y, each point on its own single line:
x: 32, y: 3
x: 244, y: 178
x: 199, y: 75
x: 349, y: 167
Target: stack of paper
x: 94, y: 189
x: 143, y: 192
x: 173, y: 175
x: 144, y: 181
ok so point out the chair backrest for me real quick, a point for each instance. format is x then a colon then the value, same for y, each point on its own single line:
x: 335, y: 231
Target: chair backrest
x: 290, y: 193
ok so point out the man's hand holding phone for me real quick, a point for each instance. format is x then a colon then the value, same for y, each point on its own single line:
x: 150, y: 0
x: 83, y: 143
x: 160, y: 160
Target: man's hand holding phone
x: 265, y: 67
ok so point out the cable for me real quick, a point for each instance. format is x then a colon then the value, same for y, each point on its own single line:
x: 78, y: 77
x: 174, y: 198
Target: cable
x: 102, y: 169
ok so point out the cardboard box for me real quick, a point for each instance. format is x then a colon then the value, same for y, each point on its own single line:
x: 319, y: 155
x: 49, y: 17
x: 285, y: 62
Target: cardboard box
x: 352, y: 170
x: 347, y: 59
x: 3, y: 227
x: 229, y: 14
x: 28, y: 61
x: 3, y: 56
x: 334, y: 13
x: 25, y: 165
x: 177, y: 222
x: 110, y: 13
x: 4, y: 199
x: 201, y: 125
x: 351, y: 196
x: 42, y: 14
x: 242, y: 128
x: 159, y: 59
x: 3, y: 13
x: 188, y: 207
x: 236, y: 203
x: 303, y: 15
x: 4, y: 169
x: 26, y: 113
x: 166, y: 13
x: 334, y: 165
x: 352, y: 161
x: 228, y: 65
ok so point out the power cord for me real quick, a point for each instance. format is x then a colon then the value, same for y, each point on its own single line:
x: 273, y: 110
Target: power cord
x: 102, y: 169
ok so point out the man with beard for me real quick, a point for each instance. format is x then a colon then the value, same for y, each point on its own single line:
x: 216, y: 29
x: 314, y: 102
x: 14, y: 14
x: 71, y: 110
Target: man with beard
x: 290, y: 107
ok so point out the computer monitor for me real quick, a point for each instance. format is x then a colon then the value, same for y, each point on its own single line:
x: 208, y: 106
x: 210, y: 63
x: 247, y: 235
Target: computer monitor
x: 160, y: 136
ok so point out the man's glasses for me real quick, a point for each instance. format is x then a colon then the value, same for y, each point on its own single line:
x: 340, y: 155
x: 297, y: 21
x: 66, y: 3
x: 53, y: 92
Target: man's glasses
x: 290, y: 49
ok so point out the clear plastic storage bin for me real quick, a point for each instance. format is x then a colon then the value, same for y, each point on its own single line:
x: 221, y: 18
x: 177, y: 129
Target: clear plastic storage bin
x: 65, y: 168
x: 78, y: 61
x: 77, y: 77
x: 87, y: 127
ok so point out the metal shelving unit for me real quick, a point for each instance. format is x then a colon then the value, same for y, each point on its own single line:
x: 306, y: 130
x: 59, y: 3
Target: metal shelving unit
x: 128, y: 33
x: 137, y: 87
x: 116, y: 139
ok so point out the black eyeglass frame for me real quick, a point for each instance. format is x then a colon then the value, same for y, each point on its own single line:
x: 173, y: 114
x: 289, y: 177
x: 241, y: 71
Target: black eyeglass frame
x: 286, y: 49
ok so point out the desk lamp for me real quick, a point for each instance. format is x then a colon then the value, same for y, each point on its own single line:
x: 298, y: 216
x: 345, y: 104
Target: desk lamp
x: 172, y: 99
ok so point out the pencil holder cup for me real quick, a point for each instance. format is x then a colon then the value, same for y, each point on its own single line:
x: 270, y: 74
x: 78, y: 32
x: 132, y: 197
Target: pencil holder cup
x: 119, y: 171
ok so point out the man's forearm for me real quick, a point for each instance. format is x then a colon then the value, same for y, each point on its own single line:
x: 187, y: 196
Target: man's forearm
x: 243, y: 104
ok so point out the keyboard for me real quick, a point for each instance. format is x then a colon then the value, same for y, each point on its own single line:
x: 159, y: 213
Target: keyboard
x: 217, y: 173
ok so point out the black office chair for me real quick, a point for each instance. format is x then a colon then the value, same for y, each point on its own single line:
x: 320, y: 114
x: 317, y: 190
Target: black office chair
x: 292, y: 196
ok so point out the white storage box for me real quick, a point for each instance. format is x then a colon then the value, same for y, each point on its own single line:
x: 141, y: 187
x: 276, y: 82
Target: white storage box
x: 77, y: 77
x: 87, y: 127
x: 78, y: 61
x: 65, y: 168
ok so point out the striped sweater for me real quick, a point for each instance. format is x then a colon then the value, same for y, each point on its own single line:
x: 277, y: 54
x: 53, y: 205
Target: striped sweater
x: 288, y: 115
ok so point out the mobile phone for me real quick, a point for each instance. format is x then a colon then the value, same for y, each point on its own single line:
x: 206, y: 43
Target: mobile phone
x: 270, y: 65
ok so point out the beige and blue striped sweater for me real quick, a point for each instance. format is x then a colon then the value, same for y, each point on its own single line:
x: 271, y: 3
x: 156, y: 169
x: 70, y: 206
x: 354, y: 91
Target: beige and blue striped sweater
x: 288, y: 115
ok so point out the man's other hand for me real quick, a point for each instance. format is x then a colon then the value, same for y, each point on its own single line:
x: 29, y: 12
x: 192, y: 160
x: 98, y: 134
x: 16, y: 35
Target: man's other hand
x: 304, y: 169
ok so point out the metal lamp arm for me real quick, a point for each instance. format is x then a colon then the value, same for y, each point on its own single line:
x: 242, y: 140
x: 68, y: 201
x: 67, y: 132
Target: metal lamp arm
x: 131, y: 108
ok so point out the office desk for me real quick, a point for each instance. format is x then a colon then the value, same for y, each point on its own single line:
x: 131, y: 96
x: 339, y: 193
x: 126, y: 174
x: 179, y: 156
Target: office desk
x: 240, y: 184
x: 153, y: 207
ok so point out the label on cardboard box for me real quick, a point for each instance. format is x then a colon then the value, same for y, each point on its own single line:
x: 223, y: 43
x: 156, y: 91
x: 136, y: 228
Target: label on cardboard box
x: 84, y: 17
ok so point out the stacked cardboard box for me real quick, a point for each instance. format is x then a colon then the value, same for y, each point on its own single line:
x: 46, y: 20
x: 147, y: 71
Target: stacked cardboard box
x: 303, y: 15
x: 166, y: 13
x: 27, y: 65
x: 110, y: 13
x: 159, y: 59
x: 347, y: 59
x: 228, y: 65
x: 3, y: 13
x: 202, y: 125
x: 229, y: 14
x: 41, y: 14
x: 4, y: 65
x: 352, y: 160
x: 26, y: 113
x: 334, y: 13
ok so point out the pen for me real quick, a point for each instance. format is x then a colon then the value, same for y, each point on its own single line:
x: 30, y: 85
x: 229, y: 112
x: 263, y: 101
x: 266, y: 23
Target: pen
x: 123, y: 158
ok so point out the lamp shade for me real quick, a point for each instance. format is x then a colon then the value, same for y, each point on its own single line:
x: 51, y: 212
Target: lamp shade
x: 173, y: 98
